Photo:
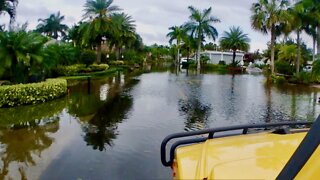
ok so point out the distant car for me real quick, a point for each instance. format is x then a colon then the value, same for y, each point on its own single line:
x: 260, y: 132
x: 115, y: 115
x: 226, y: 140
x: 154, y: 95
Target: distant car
x: 307, y: 68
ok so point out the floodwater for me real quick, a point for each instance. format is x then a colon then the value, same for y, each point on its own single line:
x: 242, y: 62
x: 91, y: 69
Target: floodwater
x: 112, y: 128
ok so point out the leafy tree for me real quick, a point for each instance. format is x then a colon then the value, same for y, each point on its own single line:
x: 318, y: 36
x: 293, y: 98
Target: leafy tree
x: 52, y: 26
x: 288, y: 53
x: 97, y: 14
x: 176, y: 33
x: 235, y: 40
x: 200, y: 26
x: 267, y: 17
x: 9, y: 7
x: 19, y: 49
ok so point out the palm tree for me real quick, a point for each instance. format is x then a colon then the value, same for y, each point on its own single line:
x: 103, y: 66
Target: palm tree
x: 19, y: 48
x: 268, y: 16
x: 200, y: 26
x: 52, y: 26
x: 9, y: 7
x: 176, y: 33
x: 235, y: 40
x: 312, y: 8
x: 123, y: 31
x: 98, y: 13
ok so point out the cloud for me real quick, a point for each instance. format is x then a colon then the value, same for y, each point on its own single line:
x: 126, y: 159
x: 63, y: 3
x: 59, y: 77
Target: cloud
x: 153, y: 17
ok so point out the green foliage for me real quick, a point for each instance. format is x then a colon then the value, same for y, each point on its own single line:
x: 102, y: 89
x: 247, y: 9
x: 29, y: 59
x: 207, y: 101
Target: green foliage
x: 278, y: 80
x: 302, y: 78
x: 74, y: 70
x: 288, y: 53
x: 52, y: 26
x: 88, y: 57
x: 19, y: 51
x: 235, y: 39
x: 222, y: 63
x: 133, y: 56
x: 204, y: 59
x: 116, y: 63
x: 20, y: 94
x: 284, y: 67
x: 215, y: 68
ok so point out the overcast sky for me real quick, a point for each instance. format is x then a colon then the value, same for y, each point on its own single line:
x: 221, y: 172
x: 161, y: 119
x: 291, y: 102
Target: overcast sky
x: 153, y: 17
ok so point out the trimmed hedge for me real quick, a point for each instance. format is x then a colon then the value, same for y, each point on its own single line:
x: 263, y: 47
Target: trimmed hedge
x: 73, y: 70
x: 33, y: 93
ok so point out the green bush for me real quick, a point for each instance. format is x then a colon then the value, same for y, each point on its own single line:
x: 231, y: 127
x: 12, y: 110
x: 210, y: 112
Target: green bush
x: 302, y: 78
x: 69, y: 70
x: 20, y: 94
x: 88, y: 57
x: 116, y: 63
x: 284, y: 67
x: 278, y: 79
x: 80, y: 68
x: 222, y: 62
x: 98, y: 67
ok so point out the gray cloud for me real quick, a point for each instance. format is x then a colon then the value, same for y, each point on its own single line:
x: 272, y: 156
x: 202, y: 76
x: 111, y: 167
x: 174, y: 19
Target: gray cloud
x: 153, y: 17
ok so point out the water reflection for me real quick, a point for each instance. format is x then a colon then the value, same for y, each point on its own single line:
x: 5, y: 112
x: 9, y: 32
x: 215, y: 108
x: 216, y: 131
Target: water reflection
x: 20, y: 148
x: 191, y: 105
x: 101, y: 129
x: 99, y: 111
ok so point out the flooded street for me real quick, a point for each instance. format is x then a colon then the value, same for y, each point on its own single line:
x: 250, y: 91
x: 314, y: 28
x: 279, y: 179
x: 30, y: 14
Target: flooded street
x: 112, y: 128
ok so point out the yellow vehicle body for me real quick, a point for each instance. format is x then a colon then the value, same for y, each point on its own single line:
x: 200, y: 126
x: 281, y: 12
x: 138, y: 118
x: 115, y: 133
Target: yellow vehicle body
x: 251, y: 156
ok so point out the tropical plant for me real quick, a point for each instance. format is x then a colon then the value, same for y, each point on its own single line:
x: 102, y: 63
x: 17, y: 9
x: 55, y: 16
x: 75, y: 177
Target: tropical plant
x: 124, y: 31
x: 288, y: 53
x: 177, y: 33
x: 9, y: 7
x: 97, y: 14
x: 267, y: 17
x: 200, y: 26
x: 19, y: 50
x: 235, y: 40
x: 52, y: 26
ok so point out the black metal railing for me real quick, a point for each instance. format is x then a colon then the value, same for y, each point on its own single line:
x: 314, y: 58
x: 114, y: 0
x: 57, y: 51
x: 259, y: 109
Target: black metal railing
x: 211, y: 134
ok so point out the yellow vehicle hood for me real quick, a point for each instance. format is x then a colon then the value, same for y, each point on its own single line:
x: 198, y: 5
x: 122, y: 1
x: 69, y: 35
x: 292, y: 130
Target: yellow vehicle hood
x: 253, y: 156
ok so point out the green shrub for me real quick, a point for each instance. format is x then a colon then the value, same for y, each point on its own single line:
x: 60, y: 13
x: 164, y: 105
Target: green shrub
x: 116, y: 63
x: 302, y: 78
x: 80, y: 68
x: 69, y: 70
x: 278, y: 79
x: 88, y: 57
x: 20, y: 94
x: 284, y: 67
x: 222, y: 62
x: 98, y: 67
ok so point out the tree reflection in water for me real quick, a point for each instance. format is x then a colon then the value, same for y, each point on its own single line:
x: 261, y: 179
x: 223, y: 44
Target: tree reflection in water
x: 19, y: 147
x: 193, y: 107
x: 99, y: 118
x: 101, y: 129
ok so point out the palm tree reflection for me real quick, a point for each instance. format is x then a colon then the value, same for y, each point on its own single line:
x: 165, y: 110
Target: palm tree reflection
x: 19, y: 147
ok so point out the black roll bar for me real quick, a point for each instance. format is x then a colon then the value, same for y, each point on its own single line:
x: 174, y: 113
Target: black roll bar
x: 210, y: 133
x: 303, y: 153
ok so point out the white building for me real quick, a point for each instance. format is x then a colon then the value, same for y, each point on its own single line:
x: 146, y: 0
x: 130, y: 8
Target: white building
x: 216, y: 56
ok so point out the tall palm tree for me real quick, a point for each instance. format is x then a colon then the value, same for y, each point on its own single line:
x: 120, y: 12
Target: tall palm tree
x: 200, y: 26
x: 9, y: 7
x: 235, y: 40
x: 313, y: 10
x: 97, y: 13
x: 52, y: 26
x: 267, y: 17
x: 123, y: 31
x: 176, y: 33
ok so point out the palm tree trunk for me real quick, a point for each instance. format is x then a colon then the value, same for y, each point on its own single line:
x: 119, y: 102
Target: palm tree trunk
x: 273, y: 39
x: 314, y: 48
x: 198, y: 56
x: 234, y: 57
x: 99, y: 53
x: 318, y: 39
x: 299, y: 52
